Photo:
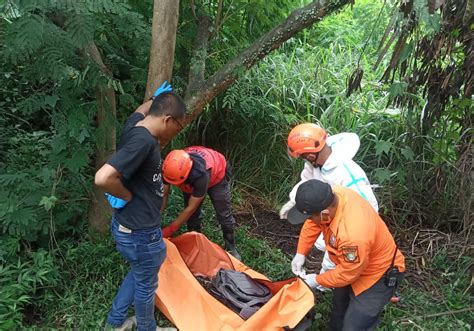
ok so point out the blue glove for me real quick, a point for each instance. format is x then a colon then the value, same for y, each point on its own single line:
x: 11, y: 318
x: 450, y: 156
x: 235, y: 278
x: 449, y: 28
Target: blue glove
x: 115, y: 202
x: 165, y: 87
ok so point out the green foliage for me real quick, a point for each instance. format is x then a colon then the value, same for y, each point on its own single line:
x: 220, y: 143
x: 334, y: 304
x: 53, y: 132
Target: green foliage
x: 418, y: 309
x: 22, y: 280
x: 306, y: 81
x: 54, y: 276
x: 234, y: 27
x: 91, y: 273
x: 261, y: 256
x: 90, y: 276
x: 49, y: 137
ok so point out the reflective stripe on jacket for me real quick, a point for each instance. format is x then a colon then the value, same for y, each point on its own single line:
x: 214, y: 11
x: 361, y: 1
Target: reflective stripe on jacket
x: 214, y: 161
x: 358, y: 242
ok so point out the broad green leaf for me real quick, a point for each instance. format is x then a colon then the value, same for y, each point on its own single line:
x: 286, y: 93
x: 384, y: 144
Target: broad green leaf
x: 383, y: 146
x: 48, y: 202
x: 407, y: 152
x: 382, y: 175
x: 51, y: 100
x: 406, y: 52
x: 397, y: 89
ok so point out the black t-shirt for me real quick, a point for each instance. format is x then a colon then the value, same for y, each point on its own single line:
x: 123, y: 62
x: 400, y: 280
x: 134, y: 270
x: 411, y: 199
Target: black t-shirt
x: 138, y: 160
x: 198, y: 177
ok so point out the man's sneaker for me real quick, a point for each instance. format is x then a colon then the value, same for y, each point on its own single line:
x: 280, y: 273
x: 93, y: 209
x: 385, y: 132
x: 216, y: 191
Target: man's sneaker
x: 126, y: 326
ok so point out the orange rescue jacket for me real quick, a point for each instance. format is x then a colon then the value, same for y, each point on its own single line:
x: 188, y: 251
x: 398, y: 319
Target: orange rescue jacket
x: 358, y: 242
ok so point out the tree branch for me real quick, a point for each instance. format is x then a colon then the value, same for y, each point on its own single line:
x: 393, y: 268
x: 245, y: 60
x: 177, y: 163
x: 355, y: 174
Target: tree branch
x: 298, y: 20
x: 219, y: 15
x: 92, y: 51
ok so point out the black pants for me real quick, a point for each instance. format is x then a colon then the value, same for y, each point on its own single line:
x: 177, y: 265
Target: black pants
x: 221, y: 201
x: 362, y: 312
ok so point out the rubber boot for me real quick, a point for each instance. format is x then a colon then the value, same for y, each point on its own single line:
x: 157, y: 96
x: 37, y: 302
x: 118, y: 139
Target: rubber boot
x: 194, y: 225
x: 229, y: 240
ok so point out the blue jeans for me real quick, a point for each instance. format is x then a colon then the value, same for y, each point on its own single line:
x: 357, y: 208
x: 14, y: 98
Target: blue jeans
x: 145, y: 250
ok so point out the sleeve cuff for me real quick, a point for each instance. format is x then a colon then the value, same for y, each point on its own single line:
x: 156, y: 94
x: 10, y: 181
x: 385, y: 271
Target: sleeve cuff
x: 321, y: 280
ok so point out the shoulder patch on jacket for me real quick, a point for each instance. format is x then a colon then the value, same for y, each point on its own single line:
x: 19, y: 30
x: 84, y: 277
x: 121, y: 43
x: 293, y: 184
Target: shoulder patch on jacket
x: 351, y: 254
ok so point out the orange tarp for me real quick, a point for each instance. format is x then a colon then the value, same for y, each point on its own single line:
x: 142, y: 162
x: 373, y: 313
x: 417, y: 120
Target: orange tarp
x: 190, y: 307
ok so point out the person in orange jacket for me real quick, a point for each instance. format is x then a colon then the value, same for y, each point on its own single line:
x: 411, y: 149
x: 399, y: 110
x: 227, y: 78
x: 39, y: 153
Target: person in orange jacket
x: 198, y: 170
x: 369, y: 264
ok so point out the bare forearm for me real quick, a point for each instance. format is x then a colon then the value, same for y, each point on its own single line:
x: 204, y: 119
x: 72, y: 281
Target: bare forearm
x: 164, y: 204
x: 184, y: 216
x: 117, y: 189
x: 166, y: 192
x: 112, y: 184
x: 144, y: 108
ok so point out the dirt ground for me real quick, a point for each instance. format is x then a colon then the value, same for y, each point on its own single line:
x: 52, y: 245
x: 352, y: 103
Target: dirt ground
x: 266, y: 224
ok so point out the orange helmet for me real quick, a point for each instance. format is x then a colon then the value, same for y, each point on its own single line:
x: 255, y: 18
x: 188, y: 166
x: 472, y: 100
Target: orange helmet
x: 306, y: 138
x: 177, y: 166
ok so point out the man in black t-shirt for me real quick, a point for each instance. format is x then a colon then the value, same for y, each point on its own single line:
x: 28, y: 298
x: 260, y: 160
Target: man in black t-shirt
x: 132, y: 178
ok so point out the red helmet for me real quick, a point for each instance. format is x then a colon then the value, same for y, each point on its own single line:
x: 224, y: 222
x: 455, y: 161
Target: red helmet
x: 306, y: 138
x: 177, y: 166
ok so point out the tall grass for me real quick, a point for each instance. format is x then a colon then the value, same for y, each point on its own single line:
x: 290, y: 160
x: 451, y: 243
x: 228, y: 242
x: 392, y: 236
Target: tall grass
x: 306, y: 81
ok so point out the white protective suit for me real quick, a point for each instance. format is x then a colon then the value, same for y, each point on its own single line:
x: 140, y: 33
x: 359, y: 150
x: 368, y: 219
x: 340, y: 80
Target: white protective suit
x: 339, y: 169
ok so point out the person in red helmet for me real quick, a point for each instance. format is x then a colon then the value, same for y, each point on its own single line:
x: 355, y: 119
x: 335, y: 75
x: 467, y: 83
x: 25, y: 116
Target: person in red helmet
x: 198, y: 170
x: 328, y: 159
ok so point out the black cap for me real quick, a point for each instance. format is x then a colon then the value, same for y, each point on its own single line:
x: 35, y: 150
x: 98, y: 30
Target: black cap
x: 295, y: 217
x: 313, y: 196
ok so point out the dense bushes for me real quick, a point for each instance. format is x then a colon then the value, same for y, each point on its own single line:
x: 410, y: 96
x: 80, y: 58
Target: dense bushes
x: 307, y: 81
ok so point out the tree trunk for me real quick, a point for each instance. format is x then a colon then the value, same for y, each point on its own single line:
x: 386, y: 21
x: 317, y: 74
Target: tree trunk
x: 99, y: 209
x: 198, y: 60
x: 163, y: 40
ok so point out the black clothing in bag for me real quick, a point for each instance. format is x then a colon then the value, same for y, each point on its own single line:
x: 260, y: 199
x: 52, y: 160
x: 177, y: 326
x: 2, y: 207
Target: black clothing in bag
x: 239, y: 292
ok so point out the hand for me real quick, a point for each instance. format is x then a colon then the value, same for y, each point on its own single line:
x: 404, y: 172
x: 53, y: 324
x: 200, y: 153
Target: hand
x: 297, y: 264
x: 115, y: 202
x: 165, y: 87
x: 285, y: 209
x: 169, y: 230
x: 310, y: 279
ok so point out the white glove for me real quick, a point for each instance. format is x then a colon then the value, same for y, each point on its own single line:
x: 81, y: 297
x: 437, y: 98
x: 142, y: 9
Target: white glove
x: 297, y: 265
x: 310, y: 279
x: 285, y: 209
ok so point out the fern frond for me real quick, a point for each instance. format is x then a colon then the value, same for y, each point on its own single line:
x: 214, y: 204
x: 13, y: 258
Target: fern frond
x: 81, y: 29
